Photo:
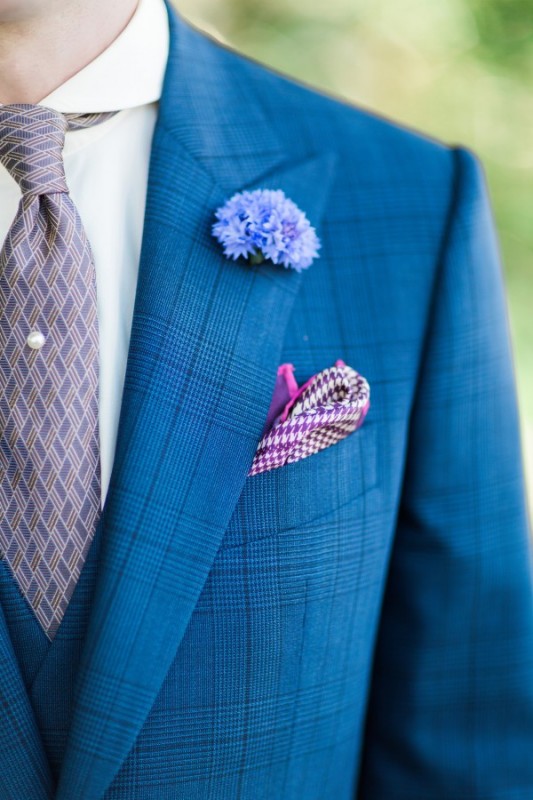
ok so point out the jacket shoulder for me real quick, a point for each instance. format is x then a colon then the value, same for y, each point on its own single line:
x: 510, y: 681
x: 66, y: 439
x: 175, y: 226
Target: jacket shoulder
x: 309, y: 119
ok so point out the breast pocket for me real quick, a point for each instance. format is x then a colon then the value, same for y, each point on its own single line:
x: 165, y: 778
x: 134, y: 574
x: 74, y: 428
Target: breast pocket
x: 296, y: 494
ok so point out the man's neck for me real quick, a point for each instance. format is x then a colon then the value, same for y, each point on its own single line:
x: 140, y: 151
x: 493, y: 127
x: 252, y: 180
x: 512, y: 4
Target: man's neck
x: 41, y: 51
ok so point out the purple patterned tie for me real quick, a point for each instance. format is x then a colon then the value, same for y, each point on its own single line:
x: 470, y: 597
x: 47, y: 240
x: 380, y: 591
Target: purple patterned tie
x: 49, y: 440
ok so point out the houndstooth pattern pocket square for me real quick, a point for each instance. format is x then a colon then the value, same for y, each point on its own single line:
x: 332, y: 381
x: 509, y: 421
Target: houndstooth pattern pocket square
x: 302, y: 421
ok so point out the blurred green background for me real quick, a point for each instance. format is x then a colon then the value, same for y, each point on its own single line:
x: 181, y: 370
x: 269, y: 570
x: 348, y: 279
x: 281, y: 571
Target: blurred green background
x: 461, y: 70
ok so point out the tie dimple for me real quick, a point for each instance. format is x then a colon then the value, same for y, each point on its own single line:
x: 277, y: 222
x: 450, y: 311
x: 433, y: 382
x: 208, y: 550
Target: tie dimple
x: 49, y: 440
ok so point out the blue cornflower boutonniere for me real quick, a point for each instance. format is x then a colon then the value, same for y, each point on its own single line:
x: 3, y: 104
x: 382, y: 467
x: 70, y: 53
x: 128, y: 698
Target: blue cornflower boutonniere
x: 265, y: 224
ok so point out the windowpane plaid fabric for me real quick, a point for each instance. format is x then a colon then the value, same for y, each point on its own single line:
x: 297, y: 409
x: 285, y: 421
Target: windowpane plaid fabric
x: 355, y: 625
x: 49, y: 444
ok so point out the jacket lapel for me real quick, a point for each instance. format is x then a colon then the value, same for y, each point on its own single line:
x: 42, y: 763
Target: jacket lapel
x: 206, y: 341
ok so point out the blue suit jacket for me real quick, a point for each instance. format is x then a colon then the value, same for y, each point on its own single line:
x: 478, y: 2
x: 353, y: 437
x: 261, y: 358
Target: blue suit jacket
x: 357, y: 624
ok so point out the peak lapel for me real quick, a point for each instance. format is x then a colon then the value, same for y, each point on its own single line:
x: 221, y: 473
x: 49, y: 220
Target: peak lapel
x: 206, y: 341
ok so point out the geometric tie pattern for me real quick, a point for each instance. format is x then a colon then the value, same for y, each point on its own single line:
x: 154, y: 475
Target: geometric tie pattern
x: 49, y: 439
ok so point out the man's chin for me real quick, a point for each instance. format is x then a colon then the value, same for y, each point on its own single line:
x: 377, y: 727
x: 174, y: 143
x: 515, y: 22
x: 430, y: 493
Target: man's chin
x: 18, y: 10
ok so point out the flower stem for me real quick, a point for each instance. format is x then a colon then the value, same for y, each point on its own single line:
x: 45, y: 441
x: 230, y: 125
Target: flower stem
x: 256, y: 258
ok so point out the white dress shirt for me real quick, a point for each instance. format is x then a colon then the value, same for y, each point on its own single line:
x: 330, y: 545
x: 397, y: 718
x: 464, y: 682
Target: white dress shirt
x: 106, y: 168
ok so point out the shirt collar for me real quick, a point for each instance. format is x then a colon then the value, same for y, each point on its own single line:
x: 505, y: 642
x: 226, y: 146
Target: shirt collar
x: 127, y: 74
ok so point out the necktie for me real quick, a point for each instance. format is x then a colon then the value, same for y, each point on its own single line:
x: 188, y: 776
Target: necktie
x: 49, y: 440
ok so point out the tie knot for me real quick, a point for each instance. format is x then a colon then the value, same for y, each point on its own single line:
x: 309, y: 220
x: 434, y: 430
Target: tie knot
x: 31, y: 147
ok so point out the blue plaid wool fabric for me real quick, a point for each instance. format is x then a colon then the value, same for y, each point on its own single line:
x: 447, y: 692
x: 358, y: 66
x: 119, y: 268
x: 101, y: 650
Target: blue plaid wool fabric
x: 356, y: 625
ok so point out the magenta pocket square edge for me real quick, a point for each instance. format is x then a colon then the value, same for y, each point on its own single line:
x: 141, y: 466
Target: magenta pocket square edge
x: 304, y: 420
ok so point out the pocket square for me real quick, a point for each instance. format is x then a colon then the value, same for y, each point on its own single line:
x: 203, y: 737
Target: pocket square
x: 304, y: 420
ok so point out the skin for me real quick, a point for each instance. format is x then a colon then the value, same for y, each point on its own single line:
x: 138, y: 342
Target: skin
x: 45, y: 42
